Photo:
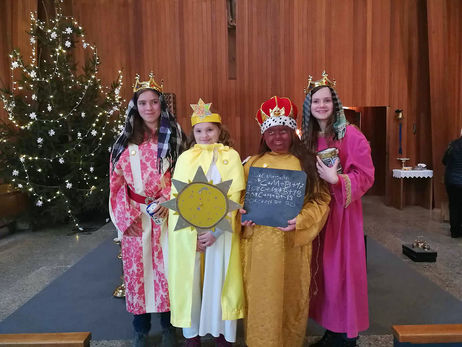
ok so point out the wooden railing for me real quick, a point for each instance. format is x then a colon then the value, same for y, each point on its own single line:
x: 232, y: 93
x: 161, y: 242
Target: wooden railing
x: 80, y: 339
x: 450, y: 334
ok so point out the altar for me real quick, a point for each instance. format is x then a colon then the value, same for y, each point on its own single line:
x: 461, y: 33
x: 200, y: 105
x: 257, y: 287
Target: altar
x: 412, y: 187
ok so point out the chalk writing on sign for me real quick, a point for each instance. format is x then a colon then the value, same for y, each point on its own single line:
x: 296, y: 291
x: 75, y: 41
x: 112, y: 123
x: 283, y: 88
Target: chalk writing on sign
x: 274, y: 196
x: 273, y: 189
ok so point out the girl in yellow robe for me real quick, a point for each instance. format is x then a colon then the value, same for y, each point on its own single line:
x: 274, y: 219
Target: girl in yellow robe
x: 211, y: 305
x: 276, y: 261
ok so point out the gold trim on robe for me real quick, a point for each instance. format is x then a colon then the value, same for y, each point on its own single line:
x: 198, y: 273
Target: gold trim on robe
x: 347, y: 189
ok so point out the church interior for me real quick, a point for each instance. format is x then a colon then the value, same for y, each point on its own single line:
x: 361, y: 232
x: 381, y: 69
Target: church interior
x: 398, y: 71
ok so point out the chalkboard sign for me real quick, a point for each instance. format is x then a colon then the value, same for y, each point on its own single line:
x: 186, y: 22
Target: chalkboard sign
x: 273, y: 196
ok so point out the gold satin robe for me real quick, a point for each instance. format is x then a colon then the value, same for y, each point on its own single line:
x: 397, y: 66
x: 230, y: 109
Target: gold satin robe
x: 276, y: 268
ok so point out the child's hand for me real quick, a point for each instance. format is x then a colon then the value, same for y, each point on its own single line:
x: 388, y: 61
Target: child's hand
x: 161, y: 211
x: 206, y: 239
x: 291, y: 224
x: 246, y: 223
x: 328, y: 174
x: 199, y: 247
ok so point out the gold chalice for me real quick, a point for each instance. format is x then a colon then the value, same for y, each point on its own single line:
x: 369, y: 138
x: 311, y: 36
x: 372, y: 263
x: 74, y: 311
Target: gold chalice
x: 403, y: 162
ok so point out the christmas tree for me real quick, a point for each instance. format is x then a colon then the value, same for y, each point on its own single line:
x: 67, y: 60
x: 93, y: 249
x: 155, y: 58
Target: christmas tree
x: 55, y: 144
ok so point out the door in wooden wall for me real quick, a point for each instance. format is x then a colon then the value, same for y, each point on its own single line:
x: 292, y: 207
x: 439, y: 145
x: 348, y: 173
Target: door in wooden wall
x: 372, y: 121
x: 353, y: 117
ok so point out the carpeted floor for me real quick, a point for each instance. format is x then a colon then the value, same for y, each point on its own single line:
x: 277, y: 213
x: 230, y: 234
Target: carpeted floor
x: 81, y: 299
x: 400, y: 295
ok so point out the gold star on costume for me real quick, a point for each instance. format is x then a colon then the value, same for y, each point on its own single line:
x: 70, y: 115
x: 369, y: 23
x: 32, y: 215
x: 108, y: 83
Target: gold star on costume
x: 201, y: 109
x: 201, y: 204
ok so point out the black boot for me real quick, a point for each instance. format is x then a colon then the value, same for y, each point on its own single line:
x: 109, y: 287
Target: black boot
x: 169, y: 337
x: 141, y: 325
x: 346, y: 342
x: 220, y: 341
x: 140, y: 340
x: 329, y: 339
x: 168, y: 330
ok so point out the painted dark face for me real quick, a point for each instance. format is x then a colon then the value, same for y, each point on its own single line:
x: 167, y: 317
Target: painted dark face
x: 278, y: 138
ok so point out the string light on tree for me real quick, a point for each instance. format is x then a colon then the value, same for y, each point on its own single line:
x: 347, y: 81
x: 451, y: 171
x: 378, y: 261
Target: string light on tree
x: 60, y: 122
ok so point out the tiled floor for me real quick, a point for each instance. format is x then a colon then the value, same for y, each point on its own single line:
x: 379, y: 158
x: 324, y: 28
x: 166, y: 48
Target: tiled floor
x: 31, y: 260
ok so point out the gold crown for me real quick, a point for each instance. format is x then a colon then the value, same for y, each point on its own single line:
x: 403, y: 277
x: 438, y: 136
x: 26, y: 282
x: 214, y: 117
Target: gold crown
x: 152, y: 84
x: 324, y: 81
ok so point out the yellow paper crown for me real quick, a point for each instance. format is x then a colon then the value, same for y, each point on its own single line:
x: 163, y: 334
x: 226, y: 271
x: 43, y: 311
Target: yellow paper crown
x: 202, y: 114
x: 324, y: 81
x: 151, y: 84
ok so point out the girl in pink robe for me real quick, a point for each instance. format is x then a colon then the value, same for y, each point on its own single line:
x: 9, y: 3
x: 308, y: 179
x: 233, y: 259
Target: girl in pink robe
x: 141, y: 162
x: 128, y: 213
x: 339, y: 280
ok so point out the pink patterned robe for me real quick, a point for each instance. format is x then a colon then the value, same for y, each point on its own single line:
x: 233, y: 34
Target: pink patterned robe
x: 145, y: 288
x: 339, y: 283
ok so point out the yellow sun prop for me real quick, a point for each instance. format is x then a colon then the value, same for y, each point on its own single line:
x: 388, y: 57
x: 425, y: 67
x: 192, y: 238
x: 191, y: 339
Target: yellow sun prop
x: 201, y: 204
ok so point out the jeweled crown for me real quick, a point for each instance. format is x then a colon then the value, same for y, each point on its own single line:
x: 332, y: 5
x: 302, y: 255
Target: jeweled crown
x: 324, y: 81
x: 152, y: 84
x: 277, y: 111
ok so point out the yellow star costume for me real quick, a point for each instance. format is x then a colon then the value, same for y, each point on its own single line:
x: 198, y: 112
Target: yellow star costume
x: 182, y: 243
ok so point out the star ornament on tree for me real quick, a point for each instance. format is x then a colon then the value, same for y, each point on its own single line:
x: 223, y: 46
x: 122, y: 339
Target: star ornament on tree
x: 201, y: 204
x: 201, y: 109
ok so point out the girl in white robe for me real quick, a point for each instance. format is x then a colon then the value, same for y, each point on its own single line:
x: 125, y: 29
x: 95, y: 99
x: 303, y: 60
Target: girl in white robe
x: 209, y: 303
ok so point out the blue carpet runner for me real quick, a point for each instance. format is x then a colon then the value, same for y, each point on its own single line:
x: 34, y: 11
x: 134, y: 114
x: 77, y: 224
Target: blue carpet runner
x: 81, y: 299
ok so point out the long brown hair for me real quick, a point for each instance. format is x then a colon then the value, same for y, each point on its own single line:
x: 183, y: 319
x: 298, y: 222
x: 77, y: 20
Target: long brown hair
x: 307, y: 159
x: 224, y: 137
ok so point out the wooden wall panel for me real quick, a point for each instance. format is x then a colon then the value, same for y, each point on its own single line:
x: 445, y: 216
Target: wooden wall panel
x: 445, y: 60
x: 4, y: 45
x: 14, y: 21
x: 381, y: 52
x: 408, y: 85
x: 182, y: 42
